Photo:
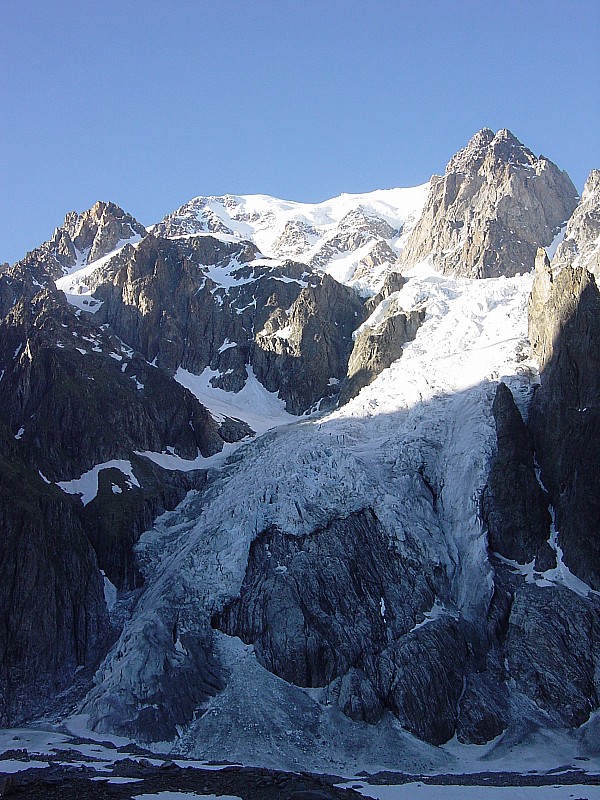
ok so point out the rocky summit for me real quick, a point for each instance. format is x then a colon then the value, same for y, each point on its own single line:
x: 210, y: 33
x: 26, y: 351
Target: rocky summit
x: 311, y: 486
x: 495, y: 204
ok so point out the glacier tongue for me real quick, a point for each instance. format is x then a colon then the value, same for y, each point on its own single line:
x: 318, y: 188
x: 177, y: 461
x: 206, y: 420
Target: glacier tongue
x: 414, y: 445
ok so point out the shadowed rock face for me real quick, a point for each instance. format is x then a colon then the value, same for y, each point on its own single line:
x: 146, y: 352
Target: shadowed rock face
x: 75, y: 396
x: 514, y: 506
x: 313, y: 604
x: 341, y: 607
x: 564, y: 329
x: 53, y: 617
x: 562, y: 675
x: 495, y: 204
x: 82, y: 398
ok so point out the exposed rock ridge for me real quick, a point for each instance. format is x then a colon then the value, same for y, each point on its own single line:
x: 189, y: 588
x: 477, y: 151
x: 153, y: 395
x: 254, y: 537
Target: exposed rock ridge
x: 304, y: 354
x: 514, y: 505
x: 581, y: 245
x: 81, y: 239
x: 495, y: 204
x: 564, y: 329
x: 203, y: 303
x: 53, y: 616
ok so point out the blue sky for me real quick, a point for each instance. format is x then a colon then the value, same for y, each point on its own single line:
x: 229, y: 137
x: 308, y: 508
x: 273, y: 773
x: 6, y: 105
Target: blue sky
x: 150, y: 103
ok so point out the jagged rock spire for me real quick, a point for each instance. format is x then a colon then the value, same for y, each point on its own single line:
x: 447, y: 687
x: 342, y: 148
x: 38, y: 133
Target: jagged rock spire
x: 496, y: 203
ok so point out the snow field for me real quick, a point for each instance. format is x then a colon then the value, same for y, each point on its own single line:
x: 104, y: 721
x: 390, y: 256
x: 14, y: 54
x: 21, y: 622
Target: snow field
x: 423, y: 426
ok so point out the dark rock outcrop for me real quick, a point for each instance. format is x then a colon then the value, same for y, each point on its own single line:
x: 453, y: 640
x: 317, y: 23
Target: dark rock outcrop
x: 562, y: 676
x: 421, y: 679
x: 495, y: 204
x: 83, y: 398
x: 53, y: 617
x: 116, y: 518
x: 313, y: 604
x: 484, y: 707
x: 161, y: 300
x: 304, y: 354
x: 377, y: 347
x: 514, y: 506
x: 564, y: 329
x: 341, y: 607
x: 74, y: 397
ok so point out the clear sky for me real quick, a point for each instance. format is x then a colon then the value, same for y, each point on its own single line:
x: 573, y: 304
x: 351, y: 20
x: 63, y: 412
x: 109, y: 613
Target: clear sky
x: 151, y: 102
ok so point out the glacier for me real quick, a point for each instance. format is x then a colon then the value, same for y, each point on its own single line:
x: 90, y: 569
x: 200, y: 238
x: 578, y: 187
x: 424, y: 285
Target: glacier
x: 423, y: 426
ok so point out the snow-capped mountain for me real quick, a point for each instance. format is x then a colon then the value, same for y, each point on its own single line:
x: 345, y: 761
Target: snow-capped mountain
x: 319, y: 480
x: 355, y: 238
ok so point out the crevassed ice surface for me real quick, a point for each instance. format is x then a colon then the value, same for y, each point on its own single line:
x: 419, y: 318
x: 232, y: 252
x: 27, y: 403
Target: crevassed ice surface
x: 430, y: 412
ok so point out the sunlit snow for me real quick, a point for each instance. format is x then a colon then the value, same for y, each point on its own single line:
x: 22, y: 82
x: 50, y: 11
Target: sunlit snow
x: 262, y: 410
x: 429, y: 414
x: 74, y: 282
x: 87, y: 485
x: 263, y: 219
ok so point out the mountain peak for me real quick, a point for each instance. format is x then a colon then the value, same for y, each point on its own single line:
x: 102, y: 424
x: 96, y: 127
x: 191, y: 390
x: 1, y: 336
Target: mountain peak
x: 483, y: 218
x: 486, y: 145
x: 469, y: 158
x: 592, y: 184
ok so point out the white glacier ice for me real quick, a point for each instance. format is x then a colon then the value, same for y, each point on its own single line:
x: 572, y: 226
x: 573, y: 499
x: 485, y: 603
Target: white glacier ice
x: 428, y: 415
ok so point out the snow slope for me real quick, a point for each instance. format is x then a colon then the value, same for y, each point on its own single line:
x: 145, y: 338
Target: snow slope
x: 428, y: 415
x: 261, y: 409
x: 336, y: 233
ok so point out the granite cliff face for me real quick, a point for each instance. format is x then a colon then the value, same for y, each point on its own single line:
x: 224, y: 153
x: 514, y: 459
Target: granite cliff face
x: 581, y: 244
x: 494, y: 206
x: 565, y: 335
x: 53, y: 617
x: 417, y: 553
x: 205, y: 304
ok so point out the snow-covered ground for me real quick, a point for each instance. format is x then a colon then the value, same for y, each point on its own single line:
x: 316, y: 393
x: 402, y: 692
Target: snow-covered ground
x: 262, y: 410
x: 428, y: 414
x: 307, y: 231
x: 77, y: 748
